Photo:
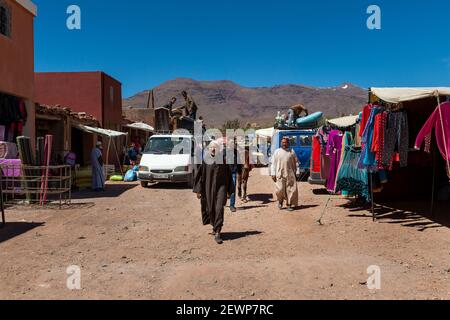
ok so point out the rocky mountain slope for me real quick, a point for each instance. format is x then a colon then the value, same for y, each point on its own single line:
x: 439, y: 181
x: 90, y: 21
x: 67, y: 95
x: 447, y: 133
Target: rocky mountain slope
x: 220, y: 101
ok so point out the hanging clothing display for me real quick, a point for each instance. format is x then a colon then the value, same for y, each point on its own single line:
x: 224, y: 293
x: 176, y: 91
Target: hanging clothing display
x: 396, y: 139
x: 346, y: 141
x: 379, y: 138
x: 13, y: 116
x: 351, y: 178
x: 367, y: 155
x: 440, y: 121
x: 365, y: 114
x: 334, y: 150
x: 315, y: 159
x: 323, y: 135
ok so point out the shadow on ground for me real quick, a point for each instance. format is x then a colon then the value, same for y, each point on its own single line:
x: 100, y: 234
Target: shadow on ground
x: 414, y: 214
x: 264, y: 198
x: 14, y: 229
x: 112, y: 191
x: 230, y: 236
x: 169, y: 186
x: 321, y: 192
x: 244, y: 208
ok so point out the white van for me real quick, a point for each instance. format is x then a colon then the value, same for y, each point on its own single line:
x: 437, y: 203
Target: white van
x: 168, y: 158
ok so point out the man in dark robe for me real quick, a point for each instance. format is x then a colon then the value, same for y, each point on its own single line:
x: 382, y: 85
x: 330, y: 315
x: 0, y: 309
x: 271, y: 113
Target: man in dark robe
x: 213, y: 184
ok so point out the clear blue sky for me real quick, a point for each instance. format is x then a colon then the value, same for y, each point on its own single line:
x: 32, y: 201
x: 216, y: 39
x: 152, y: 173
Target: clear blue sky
x: 143, y: 43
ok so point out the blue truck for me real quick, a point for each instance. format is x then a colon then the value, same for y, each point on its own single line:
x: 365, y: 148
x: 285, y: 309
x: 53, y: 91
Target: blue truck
x: 301, y: 143
x: 301, y: 140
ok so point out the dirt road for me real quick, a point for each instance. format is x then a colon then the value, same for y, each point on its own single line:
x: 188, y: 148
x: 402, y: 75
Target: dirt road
x: 135, y: 243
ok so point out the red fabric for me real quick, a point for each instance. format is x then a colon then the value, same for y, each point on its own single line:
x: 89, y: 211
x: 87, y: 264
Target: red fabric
x: 378, y: 137
x: 315, y: 161
x: 365, y: 117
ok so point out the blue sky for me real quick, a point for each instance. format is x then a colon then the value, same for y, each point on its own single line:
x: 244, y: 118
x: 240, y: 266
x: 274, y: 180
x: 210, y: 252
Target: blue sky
x: 143, y: 43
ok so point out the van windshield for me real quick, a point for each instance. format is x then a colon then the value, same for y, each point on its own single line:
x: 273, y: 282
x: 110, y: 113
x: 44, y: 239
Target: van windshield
x: 169, y: 145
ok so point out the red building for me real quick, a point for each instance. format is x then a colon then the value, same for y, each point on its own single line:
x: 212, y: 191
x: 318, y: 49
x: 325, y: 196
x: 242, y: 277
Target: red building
x: 17, y: 65
x: 95, y: 93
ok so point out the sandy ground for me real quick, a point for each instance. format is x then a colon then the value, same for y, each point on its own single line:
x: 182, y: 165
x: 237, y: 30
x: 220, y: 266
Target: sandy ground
x: 136, y: 243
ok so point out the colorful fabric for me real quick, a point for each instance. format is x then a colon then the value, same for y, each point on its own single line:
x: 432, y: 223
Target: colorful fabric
x: 364, y: 119
x: 367, y: 156
x: 396, y: 139
x: 378, y: 138
x: 442, y: 127
x: 334, y: 149
x: 352, y: 179
x: 315, y: 159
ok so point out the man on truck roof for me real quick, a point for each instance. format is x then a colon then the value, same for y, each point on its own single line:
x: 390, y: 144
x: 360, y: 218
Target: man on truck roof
x: 295, y: 112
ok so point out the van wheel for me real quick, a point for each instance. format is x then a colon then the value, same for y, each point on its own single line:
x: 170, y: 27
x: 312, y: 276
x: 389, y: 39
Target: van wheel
x: 144, y: 184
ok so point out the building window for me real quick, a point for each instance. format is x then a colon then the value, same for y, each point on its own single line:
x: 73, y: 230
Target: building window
x: 5, y: 19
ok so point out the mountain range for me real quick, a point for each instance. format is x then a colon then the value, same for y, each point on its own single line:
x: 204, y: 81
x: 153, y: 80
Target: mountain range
x: 220, y: 101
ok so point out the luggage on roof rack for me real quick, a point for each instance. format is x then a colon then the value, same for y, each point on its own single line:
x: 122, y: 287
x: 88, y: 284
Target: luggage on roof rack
x: 312, y: 121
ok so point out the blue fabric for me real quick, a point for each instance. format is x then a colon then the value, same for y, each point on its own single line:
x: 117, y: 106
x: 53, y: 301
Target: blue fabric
x: 368, y: 158
x: 233, y: 196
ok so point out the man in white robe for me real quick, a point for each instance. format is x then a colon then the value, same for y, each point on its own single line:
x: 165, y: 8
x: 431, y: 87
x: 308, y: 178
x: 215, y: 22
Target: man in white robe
x: 284, y: 174
x: 98, y: 176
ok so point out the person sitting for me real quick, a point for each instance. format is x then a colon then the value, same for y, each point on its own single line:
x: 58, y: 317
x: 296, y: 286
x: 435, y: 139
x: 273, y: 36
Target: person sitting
x: 295, y: 112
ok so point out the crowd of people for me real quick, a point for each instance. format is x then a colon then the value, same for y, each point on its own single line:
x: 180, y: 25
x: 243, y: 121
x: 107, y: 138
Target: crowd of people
x: 216, y: 181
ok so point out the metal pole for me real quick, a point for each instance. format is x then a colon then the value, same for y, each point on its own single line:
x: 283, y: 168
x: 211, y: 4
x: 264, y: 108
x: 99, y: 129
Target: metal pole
x: 433, y: 187
x: 371, y: 196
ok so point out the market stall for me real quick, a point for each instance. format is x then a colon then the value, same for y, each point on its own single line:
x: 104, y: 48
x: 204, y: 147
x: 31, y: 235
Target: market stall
x: 384, y: 160
x: 110, y: 135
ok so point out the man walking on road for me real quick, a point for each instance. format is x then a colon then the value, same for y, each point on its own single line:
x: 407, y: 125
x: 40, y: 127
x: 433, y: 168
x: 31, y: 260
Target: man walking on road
x: 213, y: 185
x: 283, y: 170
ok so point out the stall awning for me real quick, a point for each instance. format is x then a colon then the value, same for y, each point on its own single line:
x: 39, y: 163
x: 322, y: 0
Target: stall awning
x: 344, y: 122
x: 102, y: 132
x: 397, y: 95
x: 141, y: 126
x: 265, y: 133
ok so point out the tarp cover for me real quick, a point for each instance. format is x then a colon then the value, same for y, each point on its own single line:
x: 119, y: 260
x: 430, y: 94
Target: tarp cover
x: 344, y: 122
x: 396, y: 95
x: 141, y: 126
x: 102, y: 132
x: 265, y: 133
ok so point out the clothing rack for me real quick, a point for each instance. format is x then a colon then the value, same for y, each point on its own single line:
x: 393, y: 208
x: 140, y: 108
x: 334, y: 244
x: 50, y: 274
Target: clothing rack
x: 399, y: 106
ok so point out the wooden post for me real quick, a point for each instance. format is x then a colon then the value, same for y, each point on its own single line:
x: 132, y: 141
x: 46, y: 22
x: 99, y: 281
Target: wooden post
x: 371, y: 195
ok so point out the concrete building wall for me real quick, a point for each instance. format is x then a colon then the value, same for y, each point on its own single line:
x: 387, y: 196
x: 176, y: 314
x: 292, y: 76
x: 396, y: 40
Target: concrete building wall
x: 95, y: 93
x: 17, y: 54
x: 80, y: 91
x: 17, y: 58
x: 112, y: 103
